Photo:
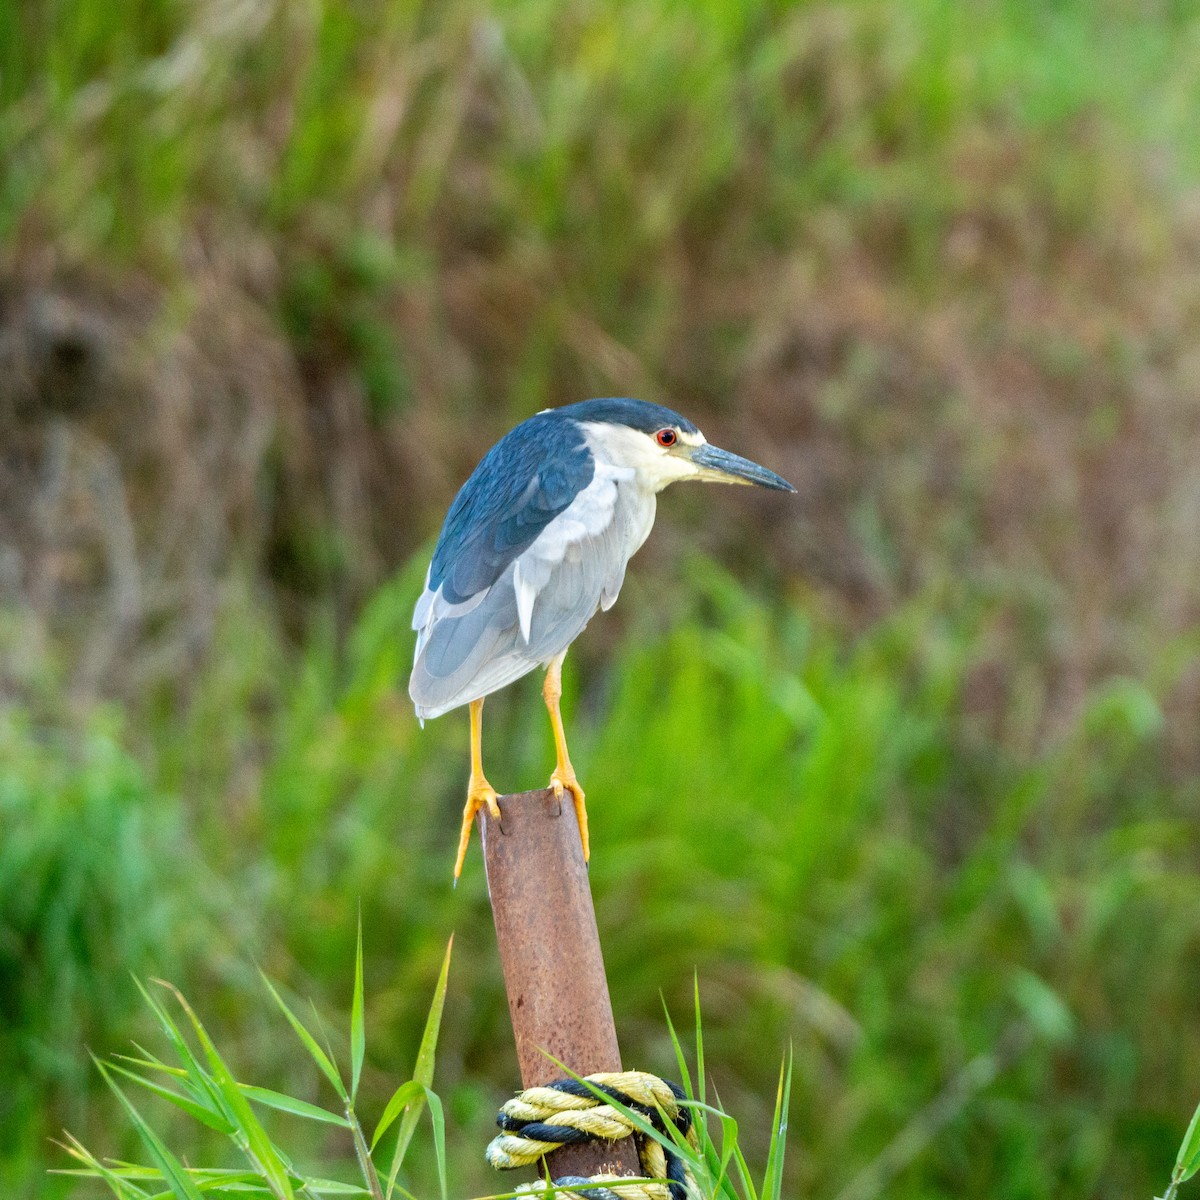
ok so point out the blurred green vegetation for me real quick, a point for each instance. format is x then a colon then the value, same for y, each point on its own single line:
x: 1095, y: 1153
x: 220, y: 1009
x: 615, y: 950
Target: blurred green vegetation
x: 846, y: 861
x: 917, y: 793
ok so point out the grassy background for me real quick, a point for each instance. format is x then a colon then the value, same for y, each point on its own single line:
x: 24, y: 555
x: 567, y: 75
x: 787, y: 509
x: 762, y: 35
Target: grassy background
x: 909, y: 778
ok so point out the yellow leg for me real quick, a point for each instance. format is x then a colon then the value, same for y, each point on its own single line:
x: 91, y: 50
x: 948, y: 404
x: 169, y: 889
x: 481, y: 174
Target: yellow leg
x: 563, y: 778
x: 479, y: 791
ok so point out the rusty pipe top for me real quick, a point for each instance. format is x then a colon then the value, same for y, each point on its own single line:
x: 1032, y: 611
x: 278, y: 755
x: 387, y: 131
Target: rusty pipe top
x: 550, y: 951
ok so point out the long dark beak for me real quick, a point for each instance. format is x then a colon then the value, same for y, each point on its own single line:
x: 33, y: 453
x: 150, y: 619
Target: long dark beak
x: 720, y: 466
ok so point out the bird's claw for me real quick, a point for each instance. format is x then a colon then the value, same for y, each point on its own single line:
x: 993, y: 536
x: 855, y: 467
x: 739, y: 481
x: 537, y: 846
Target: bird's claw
x: 480, y: 794
x: 565, y: 781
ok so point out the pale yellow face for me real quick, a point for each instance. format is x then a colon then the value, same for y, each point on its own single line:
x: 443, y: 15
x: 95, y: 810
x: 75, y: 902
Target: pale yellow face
x: 659, y: 459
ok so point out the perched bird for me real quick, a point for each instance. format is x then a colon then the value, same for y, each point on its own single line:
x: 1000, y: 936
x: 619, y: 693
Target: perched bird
x: 537, y: 541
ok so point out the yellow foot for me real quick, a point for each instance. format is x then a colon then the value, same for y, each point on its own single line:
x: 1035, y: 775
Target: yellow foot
x: 480, y: 794
x: 565, y: 781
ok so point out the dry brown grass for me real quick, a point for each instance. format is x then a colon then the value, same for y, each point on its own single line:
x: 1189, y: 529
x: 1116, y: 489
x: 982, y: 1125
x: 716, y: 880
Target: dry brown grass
x: 980, y: 373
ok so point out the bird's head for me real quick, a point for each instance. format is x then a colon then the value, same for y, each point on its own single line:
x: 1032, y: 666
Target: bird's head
x: 663, y: 446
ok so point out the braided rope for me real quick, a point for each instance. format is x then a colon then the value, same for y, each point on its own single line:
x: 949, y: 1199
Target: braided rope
x: 568, y: 1112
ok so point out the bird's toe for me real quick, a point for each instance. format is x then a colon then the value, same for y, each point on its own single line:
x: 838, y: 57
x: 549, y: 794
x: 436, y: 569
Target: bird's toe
x: 565, y: 781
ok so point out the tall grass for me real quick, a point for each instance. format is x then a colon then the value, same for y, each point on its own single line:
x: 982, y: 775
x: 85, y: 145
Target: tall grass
x: 97, y: 879
x: 976, y: 954
x: 202, y: 1086
x: 294, y: 268
x: 327, y: 109
x: 931, y: 813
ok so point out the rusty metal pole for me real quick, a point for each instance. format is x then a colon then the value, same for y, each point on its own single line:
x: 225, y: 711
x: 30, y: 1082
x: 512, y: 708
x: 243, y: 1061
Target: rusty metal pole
x: 550, y: 951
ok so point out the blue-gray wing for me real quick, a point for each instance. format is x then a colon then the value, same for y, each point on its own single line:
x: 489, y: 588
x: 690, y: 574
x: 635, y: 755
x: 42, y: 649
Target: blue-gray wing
x: 469, y: 647
x: 527, y: 478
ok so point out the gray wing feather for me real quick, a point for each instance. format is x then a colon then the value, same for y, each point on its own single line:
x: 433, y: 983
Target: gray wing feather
x: 424, y: 603
x: 528, y: 478
x: 468, y: 650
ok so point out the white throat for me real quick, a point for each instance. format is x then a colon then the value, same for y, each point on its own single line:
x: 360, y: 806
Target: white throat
x: 653, y: 465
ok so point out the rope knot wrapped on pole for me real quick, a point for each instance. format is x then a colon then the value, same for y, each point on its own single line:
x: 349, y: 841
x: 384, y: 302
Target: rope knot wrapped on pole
x: 569, y: 1112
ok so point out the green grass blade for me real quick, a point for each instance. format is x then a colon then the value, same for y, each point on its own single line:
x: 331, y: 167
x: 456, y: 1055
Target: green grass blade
x: 150, y: 1063
x: 248, y: 1183
x: 716, y: 1161
x: 680, y: 1059
x: 423, y: 1074
x: 118, y: 1188
x: 208, y: 1178
x: 129, y: 1171
x: 433, y: 1022
x: 199, y: 1112
x: 258, y: 1145
x: 402, y: 1097
x: 172, y: 1169
x: 718, y: 1182
x: 289, y: 1104
x: 729, y: 1141
x: 318, y: 1055
x: 438, y: 1119
x: 93, y: 1168
x: 424, y: 1097
x: 358, y: 1039
x: 744, y: 1175
x: 1187, y: 1161
x: 739, y: 1160
x: 197, y: 1081
x: 332, y: 1187
x: 773, y: 1180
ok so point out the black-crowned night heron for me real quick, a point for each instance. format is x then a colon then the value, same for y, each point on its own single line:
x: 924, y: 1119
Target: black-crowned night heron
x: 535, y: 542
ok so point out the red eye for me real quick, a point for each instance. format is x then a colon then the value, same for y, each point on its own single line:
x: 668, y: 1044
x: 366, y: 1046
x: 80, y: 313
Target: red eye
x: 665, y: 437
